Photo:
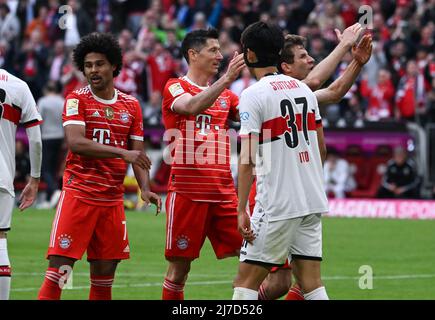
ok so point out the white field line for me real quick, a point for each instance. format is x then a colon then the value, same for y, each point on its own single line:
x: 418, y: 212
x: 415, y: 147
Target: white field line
x: 215, y: 282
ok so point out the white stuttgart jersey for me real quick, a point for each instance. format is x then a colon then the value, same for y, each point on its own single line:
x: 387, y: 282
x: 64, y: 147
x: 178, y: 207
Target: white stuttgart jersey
x: 17, y: 105
x: 284, y: 113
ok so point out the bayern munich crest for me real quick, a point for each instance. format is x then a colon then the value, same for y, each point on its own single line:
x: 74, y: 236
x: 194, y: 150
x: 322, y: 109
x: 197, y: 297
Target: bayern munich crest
x: 182, y: 242
x: 64, y: 241
x: 223, y: 103
x: 124, y: 117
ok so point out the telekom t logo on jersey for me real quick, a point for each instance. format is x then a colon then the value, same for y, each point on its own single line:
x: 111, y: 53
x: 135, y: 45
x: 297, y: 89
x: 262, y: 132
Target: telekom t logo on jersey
x: 203, y: 123
x: 101, y: 136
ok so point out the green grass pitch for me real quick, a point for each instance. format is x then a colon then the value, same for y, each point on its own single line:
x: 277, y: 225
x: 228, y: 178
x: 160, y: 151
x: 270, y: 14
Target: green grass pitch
x: 401, y: 254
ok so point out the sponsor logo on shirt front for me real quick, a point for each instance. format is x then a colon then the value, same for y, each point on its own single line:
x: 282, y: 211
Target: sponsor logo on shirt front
x: 244, y: 116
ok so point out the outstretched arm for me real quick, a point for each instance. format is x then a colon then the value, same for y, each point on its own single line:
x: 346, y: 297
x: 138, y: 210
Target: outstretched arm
x: 339, y: 87
x: 327, y: 66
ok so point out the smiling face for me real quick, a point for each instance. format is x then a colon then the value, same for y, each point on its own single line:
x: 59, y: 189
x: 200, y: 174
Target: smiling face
x: 98, y: 71
x: 208, y: 58
x: 302, y: 64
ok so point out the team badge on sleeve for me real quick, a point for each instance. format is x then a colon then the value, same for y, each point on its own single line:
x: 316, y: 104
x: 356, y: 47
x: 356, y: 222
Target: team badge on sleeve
x: 176, y: 89
x: 72, y: 107
x: 244, y: 116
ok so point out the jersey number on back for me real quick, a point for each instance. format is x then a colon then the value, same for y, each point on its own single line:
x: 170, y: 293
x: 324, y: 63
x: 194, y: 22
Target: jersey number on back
x: 2, y: 100
x: 287, y: 109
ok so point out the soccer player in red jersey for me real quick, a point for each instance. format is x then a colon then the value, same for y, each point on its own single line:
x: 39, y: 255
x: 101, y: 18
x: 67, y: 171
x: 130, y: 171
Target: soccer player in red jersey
x: 104, y: 132
x: 202, y: 200
x: 16, y: 105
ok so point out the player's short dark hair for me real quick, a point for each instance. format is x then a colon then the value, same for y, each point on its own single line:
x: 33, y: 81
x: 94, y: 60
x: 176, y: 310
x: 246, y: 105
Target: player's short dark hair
x: 197, y: 39
x: 266, y: 40
x: 104, y: 43
x: 291, y: 41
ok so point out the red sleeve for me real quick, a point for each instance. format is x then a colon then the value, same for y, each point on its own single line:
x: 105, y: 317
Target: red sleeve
x: 136, y: 129
x: 73, y: 110
x: 234, y: 110
x: 174, y: 89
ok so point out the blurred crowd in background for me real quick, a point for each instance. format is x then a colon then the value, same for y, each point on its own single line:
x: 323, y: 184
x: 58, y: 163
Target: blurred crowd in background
x: 397, y: 84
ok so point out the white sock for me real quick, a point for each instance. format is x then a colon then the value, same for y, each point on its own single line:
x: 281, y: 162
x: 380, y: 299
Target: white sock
x: 5, y: 268
x: 317, y: 294
x: 244, y: 294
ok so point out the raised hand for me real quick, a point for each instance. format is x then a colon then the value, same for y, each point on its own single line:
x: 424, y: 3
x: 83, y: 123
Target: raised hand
x: 362, y: 52
x: 350, y: 34
x: 235, y: 67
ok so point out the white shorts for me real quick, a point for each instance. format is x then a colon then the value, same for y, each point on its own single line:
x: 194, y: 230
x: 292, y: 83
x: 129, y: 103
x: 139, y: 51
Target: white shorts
x: 6, y: 206
x: 297, y: 238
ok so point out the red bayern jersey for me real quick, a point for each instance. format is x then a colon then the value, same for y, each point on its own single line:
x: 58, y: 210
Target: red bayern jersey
x: 200, y: 147
x: 110, y: 122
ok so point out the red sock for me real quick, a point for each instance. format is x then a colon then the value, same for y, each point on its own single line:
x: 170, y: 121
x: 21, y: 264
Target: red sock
x: 172, y: 290
x: 50, y: 289
x: 262, y: 293
x: 101, y: 288
x: 295, y: 293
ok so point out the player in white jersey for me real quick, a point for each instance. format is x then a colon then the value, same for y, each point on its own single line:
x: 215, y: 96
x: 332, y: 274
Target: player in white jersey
x: 279, y: 117
x: 17, y: 105
x: 296, y: 62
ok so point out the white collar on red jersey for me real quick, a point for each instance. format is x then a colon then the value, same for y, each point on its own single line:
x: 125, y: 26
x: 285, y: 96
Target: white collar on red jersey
x: 193, y: 83
x: 111, y: 101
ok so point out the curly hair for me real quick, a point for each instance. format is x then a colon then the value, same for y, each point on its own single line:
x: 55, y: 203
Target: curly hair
x: 104, y: 43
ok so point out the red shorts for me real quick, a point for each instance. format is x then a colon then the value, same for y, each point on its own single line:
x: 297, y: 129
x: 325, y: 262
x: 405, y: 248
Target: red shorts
x: 79, y: 226
x: 189, y: 222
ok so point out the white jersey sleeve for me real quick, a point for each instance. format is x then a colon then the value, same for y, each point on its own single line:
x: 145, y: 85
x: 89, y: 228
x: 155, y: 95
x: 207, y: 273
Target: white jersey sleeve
x: 17, y: 105
x: 30, y: 114
x: 251, y: 118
